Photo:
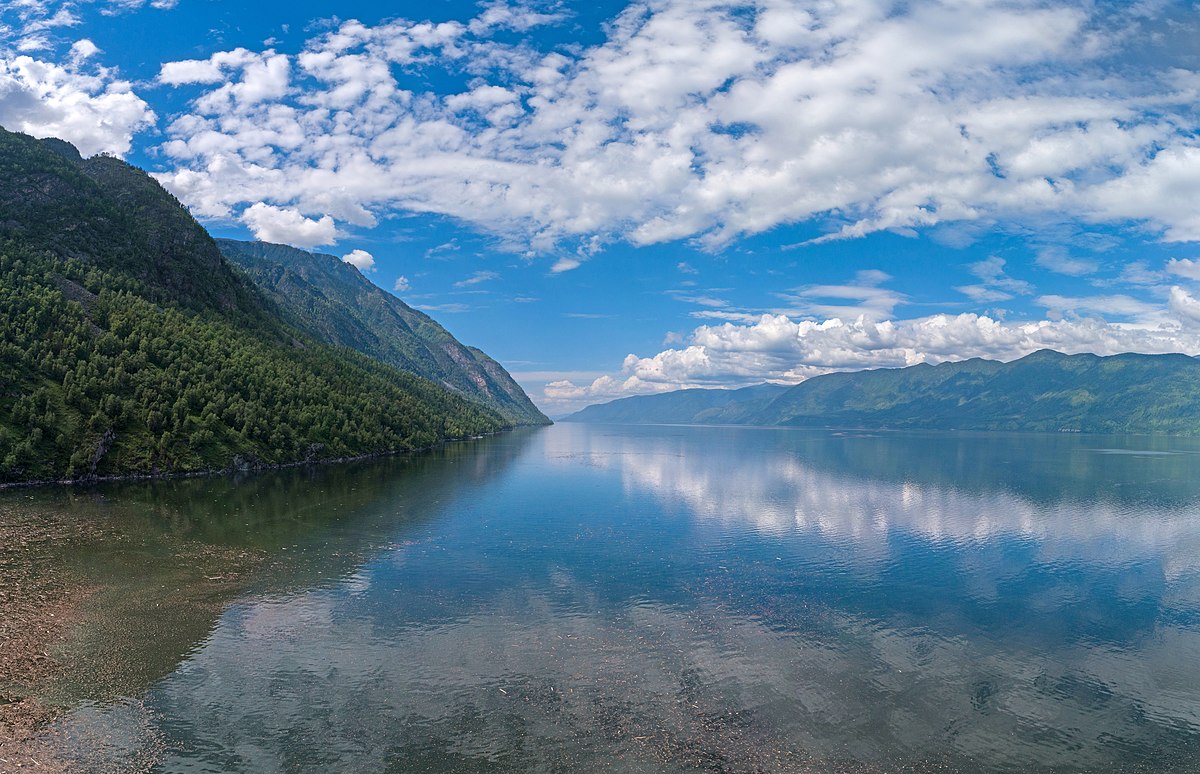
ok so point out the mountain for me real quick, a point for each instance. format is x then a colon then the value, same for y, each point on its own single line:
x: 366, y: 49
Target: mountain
x: 333, y: 302
x: 1045, y: 391
x: 683, y: 407
x: 130, y: 345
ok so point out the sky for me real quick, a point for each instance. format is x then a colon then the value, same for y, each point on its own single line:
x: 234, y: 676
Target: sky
x: 619, y: 198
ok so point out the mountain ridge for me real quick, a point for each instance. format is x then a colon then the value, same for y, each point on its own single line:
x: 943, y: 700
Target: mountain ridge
x: 333, y: 302
x: 1044, y: 391
x: 129, y: 346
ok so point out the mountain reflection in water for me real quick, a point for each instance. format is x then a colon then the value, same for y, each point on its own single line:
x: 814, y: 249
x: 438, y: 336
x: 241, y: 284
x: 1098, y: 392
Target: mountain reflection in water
x: 635, y: 598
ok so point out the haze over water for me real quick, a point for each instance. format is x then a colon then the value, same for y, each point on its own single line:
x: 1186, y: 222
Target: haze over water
x: 633, y: 598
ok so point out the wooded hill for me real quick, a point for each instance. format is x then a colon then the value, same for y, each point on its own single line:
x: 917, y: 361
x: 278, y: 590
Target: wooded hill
x: 130, y: 345
x: 333, y: 302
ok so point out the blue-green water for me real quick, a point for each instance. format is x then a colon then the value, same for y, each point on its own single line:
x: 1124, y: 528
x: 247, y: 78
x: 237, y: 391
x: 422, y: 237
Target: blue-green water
x: 646, y: 599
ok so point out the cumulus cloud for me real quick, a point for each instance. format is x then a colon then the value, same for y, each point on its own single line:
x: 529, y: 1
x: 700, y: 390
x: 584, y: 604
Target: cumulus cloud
x: 360, y: 259
x: 1184, y: 267
x: 93, y: 109
x: 1185, y: 305
x: 402, y: 284
x: 777, y: 348
x: 52, y: 86
x: 278, y: 224
x: 705, y: 119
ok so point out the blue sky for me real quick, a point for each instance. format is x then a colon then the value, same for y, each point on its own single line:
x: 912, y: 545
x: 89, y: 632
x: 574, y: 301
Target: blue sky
x: 615, y: 198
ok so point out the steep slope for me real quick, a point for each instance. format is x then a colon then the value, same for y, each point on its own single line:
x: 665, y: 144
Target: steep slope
x: 1045, y: 391
x: 332, y: 302
x: 114, y: 217
x: 683, y: 407
x: 129, y: 345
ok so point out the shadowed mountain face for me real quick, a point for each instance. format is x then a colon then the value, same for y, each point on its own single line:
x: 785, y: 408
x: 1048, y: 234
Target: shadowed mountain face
x: 332, y: 302
x: 129, y: 345
x: 1044, y: 392
x: 112, y: 216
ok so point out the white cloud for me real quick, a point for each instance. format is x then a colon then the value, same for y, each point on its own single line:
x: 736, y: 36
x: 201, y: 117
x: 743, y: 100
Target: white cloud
x: 1163, y: 190
x: 276, y: 224
x: 452, y: 308
x: 23, y: 19
x: 1058, y: 260
x: 707, y: 119
x: 96, y: 111
x: 995, y: 284
x: 61, y: 17
x: 1117, y: 305
x: 1184, y: 267
x: 402, y: 284
x: 777, y: 348
x: 191, y: 71
x: 476, y: 279
x: 565, y: 264
x: 823, y: 301
x: 360, y: 259
x: 1185, y: 305
x: 81, y: 51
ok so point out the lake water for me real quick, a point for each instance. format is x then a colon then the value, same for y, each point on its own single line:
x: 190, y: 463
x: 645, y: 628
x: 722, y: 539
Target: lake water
x: 645, y: 598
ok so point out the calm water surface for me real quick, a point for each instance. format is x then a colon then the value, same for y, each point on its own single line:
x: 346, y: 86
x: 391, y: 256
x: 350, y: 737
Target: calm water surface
x: 658, y: 598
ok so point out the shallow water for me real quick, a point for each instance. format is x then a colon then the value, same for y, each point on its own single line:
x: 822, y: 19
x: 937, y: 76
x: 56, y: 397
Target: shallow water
x: 647, y: 598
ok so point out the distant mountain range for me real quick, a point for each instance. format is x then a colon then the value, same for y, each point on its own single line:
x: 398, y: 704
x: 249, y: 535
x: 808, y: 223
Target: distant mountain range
x: 684, y: 407
x: 1045, y: 391
x: 130, y: 345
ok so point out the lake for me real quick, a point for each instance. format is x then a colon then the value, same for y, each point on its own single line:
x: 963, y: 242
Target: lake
x: 627, y: 598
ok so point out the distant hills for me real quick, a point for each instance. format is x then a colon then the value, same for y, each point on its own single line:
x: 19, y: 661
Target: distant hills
x: 1045, y: 391
x: 333, y: 302
x: 129, y: 345
x: 683, y: 407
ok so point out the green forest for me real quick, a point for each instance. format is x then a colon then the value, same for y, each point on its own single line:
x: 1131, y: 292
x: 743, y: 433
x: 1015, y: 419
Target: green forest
x: 128, y: 345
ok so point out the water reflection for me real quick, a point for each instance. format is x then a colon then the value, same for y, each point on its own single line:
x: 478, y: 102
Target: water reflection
x: 1068, y: 494
x: 678, y: 598
x: 159, y: 561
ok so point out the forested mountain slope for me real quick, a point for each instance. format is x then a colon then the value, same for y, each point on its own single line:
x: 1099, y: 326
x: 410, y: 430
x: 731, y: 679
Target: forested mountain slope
x: 332, y: 302
x: 129, y: 345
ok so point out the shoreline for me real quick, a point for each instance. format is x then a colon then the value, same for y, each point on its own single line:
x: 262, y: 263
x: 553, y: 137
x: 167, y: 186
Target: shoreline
x: 258, y: 468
